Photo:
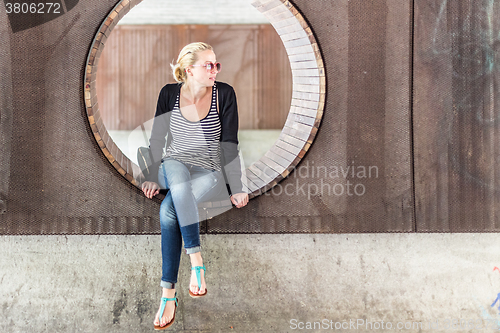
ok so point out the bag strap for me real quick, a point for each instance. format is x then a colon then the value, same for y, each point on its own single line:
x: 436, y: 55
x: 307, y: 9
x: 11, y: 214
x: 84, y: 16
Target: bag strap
x: 144, y: 134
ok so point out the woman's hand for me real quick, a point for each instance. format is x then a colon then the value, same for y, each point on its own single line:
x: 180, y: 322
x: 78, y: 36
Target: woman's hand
x: 239, y: 199
x: 150, y: 189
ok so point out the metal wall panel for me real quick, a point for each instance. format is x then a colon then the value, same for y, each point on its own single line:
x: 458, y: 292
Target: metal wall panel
x: 6, y: 111
x: 456, y: 115
x: 60, y: 182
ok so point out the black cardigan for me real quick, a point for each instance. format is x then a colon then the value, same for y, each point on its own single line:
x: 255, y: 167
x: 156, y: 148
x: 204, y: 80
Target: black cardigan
x: 228, y: 115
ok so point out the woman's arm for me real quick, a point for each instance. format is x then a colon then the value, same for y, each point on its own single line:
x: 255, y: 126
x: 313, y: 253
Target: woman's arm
x: 231, y: 163
x: 161, y: 126
x: 228, y: 113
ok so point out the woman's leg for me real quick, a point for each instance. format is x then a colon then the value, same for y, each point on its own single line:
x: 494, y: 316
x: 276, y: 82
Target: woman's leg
x: 171, y: 243
x: 205, y: 185
x: 171, y: 246
x: 178, y: 180
x: 188, y: 185
x: 178, y: 216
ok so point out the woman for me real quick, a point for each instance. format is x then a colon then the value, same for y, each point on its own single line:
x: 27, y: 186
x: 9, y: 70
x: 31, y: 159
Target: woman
x: 199, y: 116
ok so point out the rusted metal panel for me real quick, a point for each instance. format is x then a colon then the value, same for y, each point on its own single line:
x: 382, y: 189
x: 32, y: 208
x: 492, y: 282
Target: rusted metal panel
x: 366, y: 119
x: 456, y: 116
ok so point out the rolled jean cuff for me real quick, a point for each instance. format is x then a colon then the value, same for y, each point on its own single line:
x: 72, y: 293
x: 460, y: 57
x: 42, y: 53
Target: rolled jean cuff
x: 168, y: 285
x: 192, y: 250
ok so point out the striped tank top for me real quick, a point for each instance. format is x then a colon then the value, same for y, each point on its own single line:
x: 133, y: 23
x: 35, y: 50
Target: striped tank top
x: 196, y: 143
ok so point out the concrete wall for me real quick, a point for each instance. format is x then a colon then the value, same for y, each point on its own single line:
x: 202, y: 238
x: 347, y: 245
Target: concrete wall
x: 256, y: 283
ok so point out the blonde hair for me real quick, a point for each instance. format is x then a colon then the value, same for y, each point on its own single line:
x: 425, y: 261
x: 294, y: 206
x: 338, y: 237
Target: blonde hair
x: 187, y: 57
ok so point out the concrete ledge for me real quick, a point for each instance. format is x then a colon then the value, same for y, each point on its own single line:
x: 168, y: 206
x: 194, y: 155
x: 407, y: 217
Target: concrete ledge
x: 256, y: 283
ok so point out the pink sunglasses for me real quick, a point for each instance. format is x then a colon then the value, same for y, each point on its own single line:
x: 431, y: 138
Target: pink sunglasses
x: 210, y: 66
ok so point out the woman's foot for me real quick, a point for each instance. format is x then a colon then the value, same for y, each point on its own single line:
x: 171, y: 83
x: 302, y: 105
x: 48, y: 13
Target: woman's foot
x: 196, y: 260
x: 169, y: 312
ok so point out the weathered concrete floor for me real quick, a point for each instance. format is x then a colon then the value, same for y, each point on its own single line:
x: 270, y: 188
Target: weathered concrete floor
x: 256, y: 283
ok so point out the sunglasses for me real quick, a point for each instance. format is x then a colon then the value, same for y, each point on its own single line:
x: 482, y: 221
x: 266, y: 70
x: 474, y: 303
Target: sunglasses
x: 210, y: 66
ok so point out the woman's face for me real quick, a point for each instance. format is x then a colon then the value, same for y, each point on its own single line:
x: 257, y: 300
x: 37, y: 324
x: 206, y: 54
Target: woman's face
x: 199, y: 71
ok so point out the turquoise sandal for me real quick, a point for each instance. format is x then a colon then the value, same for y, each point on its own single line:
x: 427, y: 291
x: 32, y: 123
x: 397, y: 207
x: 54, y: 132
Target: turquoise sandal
x: 198, y: 277
x: 164, y: 301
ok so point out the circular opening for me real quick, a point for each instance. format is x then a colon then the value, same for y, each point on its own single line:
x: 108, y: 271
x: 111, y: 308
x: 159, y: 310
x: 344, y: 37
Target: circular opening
x: 302, y: 122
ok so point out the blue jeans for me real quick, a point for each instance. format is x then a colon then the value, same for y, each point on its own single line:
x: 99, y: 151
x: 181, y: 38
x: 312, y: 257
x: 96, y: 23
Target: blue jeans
x: 188, y: 185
